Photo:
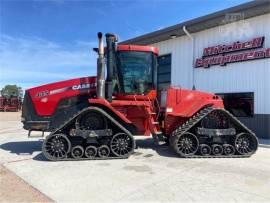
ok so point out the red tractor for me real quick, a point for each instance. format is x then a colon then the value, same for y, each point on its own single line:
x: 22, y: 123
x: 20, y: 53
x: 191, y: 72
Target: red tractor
x: 12, y: 103
x: 2, y: 103
x: 97, y: 118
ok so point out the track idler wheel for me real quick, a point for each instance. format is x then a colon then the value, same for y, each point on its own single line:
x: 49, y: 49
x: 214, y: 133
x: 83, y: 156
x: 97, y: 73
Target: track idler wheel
x: 228, y: 149
x: 56, y: 147
x: 77, y: 152
x: 205, y: 150
x: 246, y: 143
x: 122, y: 145
x: 186, y: 144
x: 90, y: 152
x: 103, y: 151
x: 217, y: 149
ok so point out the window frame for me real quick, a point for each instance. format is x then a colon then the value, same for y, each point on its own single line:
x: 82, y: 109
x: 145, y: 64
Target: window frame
x: 166, y: 72
x: 239, y: 93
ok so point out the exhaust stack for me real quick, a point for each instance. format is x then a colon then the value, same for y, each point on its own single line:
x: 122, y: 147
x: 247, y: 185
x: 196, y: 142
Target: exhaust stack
x: 100, y: 69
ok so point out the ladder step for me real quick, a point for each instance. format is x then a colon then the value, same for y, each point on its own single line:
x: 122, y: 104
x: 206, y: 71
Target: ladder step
x: 155, y: 123
x: 153, y: 113
x: 158, y: 132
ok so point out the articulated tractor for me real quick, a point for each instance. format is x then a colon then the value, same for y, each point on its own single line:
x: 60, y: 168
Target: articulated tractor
x: 98, y: 117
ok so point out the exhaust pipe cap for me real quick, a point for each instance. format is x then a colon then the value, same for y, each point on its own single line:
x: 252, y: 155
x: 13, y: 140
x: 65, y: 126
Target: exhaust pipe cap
x: 99, y: 35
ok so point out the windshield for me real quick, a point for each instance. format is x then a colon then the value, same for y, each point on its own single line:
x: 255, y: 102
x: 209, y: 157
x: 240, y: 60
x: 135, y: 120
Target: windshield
x: 135, y: 72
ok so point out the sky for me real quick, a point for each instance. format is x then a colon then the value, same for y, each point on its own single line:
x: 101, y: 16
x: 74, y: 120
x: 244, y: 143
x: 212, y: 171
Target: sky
x: 43, y: 41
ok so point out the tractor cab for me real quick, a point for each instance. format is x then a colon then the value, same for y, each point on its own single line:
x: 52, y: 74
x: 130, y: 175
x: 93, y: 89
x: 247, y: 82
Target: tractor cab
x: 136, y: 68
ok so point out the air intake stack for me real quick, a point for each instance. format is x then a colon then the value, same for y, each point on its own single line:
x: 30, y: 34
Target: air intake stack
x: 111, y: 39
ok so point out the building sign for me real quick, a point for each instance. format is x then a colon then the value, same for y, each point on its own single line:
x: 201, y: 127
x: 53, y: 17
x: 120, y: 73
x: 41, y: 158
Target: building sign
x: 235, y: 52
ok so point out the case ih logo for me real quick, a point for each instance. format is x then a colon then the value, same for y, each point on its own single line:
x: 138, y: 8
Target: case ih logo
x: 84, y: 86
x: 223, y: 54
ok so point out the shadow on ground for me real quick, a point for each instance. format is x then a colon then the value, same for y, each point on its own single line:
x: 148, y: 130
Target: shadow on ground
x: 24, y: 147
x: 40, y: 157
x: 29, y: 147
x: 162, y: 150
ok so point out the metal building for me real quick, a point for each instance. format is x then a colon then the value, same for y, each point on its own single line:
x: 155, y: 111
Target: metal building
x: 227, y: 53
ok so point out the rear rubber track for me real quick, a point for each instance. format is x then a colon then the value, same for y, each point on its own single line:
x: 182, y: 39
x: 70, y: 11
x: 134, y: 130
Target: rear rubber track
x: 190, y: 123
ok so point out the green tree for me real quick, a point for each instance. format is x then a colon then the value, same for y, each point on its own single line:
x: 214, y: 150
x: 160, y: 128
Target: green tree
x: 12, y: 90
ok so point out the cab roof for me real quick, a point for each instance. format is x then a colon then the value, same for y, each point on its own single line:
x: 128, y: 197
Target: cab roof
x: 127, y: 47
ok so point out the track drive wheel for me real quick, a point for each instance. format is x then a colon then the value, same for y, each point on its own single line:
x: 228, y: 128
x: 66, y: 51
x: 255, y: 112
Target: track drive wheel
x: 56, y: 147
x: 103, y: 151
x: 186, y: 144
x: 90, y: 152
x: 77, y: 152
x: 215, y: 120
x: 91, y: 120
x: 246, y: 143
x: 122, y: 145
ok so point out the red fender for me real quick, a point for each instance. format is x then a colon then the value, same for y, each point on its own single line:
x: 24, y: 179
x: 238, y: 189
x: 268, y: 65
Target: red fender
x: 185, y: 103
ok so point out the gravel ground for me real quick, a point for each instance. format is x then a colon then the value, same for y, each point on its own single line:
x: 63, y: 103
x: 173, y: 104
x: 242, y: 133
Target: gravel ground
x: 12, y: 187
x: 153, y: 173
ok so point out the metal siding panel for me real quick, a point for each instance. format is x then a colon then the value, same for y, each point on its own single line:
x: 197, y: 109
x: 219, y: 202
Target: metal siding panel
x: 250, y: 76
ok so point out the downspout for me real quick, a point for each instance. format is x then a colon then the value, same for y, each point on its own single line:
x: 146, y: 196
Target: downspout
x: 193, y: 54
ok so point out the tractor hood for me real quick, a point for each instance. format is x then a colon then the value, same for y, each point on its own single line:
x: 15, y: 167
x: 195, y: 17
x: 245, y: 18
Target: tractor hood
x: 45, y: 98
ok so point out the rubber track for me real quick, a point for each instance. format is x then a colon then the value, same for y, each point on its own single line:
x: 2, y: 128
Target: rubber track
x: 107, y: 116
x: 96, y: 158
x: 219, y: 156
x: 197, y: 118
